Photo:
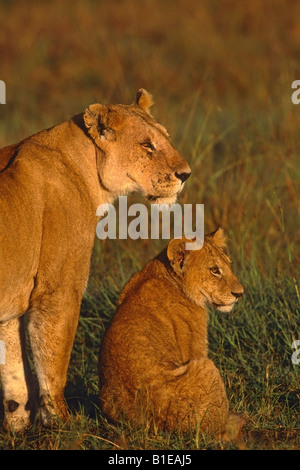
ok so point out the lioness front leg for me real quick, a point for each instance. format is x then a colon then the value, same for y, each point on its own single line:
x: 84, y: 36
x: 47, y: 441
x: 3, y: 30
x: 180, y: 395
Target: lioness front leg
x: 52, y: 335
x: 15, y: 376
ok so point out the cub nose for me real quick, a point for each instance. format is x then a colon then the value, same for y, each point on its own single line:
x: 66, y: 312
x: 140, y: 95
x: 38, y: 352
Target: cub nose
x: 182, y: 176
x: 237, y: 294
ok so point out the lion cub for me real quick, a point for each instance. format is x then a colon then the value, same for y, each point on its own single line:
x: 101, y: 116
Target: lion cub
x: 153, y: 363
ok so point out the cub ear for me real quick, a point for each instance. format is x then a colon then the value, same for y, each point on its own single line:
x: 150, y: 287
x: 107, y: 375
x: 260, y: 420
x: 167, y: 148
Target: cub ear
x: 176, y: 254
x: 96, y: 122
x: 218, y: 238
x: 143, y: 100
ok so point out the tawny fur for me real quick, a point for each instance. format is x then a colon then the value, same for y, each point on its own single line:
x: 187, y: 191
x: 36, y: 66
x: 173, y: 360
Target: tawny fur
x: 50, y: 187
x: 153, y: 365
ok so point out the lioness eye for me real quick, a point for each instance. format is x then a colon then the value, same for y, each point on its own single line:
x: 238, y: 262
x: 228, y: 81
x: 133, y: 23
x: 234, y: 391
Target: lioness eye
x: 215, y: 270
x: 148, y: 145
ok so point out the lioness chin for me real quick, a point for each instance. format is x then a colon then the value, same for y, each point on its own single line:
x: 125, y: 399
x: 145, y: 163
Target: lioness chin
x: 153, y: 364
x: 50, y: 187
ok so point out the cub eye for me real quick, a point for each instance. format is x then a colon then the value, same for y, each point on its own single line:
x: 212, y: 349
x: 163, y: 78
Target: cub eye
x: 215, y: 270
x: 148, y: 146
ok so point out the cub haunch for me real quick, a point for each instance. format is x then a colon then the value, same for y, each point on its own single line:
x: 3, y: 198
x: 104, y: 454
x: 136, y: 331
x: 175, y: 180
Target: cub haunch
x: 50, y: 187
x: 153, y: 364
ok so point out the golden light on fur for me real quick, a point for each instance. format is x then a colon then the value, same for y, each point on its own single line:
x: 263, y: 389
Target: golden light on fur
x: 144, y: 100
x: 153, y: 366
x: 219, y: 238
x: 50, y: 187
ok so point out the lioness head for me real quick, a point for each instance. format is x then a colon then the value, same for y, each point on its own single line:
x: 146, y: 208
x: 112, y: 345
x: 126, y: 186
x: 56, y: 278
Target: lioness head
x: 136, y: 153
x: 205, y: 274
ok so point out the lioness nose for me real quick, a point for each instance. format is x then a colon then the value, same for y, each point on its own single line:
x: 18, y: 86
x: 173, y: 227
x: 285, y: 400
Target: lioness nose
x: 182, y: 176
x: 238, y: 294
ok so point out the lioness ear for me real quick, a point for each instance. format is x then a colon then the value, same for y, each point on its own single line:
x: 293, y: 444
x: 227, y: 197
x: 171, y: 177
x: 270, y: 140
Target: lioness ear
x: 96, y: 122
x: 176, y: 254
x: 143, y: 100
x: 218, y: 238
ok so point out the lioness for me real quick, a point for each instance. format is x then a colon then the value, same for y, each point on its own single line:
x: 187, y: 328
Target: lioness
x: 153, y: 363
x: 50, y: 187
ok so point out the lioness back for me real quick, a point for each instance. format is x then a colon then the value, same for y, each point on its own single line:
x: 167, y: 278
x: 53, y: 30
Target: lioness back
x: 153, y: 362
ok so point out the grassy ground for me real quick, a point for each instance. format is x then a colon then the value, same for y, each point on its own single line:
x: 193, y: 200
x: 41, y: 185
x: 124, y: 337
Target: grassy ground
x: 221, y: 74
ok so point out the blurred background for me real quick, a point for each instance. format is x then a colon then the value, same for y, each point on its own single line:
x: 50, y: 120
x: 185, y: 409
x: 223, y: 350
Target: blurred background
x: 221, y: 73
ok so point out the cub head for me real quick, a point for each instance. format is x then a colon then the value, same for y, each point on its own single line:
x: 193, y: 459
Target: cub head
x: 205, y: 275
x: 135, y: 151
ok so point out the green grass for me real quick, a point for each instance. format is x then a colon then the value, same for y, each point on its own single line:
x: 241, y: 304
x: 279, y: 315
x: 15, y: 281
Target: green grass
x: 221, y: 75
x: 251, y: 347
